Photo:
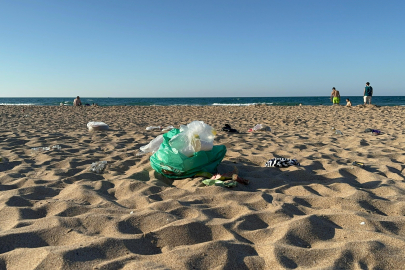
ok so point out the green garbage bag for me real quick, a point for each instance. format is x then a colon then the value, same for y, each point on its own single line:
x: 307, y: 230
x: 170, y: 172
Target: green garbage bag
x: 173, y: 164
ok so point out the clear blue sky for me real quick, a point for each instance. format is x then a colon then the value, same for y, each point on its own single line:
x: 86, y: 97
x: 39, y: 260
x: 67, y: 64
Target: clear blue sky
x: 172, y: 48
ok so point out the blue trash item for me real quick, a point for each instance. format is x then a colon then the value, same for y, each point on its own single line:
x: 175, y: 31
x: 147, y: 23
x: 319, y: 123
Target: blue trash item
x: 173, y: 164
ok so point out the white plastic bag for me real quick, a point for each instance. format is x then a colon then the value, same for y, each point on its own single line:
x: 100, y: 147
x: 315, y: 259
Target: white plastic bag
x: 154, y: 127
x: 168, y: 128
x: 151, y: 147
x: 97, y: 126
x: 196, y: 136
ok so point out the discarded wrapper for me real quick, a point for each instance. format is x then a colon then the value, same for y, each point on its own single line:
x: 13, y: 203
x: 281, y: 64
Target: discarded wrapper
x: 97, y: 126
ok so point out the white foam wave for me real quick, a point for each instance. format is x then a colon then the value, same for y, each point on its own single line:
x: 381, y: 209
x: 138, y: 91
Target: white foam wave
x: 239, y: 104
x: 16, y: 104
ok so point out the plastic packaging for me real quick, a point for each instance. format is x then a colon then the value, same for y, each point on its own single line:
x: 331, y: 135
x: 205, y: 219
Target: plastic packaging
x: 98, y: 167
x: 338, y: 132
x: 168, y: 128
x: 196, y: 136
x: 259, y: 127
x: 375, y: 132
x: 151, y: 147
x: 40, y: 149
x: 154, y: 127
x: 359, y: 164
x: 171, y: 163
x: 47, y: 148
x: 97, y: 126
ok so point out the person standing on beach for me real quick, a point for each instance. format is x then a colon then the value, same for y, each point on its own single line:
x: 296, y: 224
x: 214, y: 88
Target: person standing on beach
x: 335, y: 96
x: 77, y: 101
x: 368, y: 93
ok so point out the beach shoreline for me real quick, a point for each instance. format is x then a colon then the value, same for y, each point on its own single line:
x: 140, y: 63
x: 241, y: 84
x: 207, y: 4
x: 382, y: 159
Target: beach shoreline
x: 203, y: 101
x: 326, y: 213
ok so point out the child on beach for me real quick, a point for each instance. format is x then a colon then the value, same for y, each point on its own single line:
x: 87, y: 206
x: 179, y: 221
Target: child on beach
x: 349, y: 103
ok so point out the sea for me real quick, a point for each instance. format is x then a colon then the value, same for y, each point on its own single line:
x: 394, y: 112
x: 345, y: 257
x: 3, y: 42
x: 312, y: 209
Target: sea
x: 212, y: 101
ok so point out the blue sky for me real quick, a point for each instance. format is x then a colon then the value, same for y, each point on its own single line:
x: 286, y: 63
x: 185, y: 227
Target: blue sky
x: 172, y: 48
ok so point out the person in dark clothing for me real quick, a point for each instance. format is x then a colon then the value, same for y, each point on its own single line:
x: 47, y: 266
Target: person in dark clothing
x: 368, y: 93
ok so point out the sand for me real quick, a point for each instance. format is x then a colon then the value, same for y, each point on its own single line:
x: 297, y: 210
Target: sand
x: 325, y: 214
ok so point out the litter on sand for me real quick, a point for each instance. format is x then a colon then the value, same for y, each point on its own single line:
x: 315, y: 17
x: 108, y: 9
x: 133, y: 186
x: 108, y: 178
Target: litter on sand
x: 260, y: 127
x: 98, y: 167
x: 97, y: 126
x: 358, y: 164
x: 373, y: 131
x: 160, y: 128
x: 187, y: 151
x: 151, y: 147
x: 46, y: 148
x: 211, y: 182
x: 229, y: 179
x: 228, y: 128
x: 281, y: 162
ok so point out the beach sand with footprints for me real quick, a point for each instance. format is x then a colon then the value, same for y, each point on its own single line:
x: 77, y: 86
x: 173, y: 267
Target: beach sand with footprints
x: 324, y: 214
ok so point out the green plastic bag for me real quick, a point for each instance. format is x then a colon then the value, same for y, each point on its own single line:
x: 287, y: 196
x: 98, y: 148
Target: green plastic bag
x: 173, y: 164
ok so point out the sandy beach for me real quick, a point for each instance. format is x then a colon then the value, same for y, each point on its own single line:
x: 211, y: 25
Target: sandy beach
x: 324, y: 214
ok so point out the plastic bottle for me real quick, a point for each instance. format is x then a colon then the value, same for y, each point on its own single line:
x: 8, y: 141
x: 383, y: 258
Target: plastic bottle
x: 338, y: 132
x: 259, y: 127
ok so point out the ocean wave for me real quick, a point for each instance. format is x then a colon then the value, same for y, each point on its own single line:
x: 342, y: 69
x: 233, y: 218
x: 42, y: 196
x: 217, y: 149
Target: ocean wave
x: 17, y: 104
x: 240, y: 104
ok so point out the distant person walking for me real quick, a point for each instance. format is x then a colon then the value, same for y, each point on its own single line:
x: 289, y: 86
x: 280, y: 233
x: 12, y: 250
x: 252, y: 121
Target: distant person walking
x: 335, y: 96
x: 368, y: 93
x: 77, y: 101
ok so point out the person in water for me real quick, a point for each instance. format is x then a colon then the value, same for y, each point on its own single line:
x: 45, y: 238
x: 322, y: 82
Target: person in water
x: 335, y: 96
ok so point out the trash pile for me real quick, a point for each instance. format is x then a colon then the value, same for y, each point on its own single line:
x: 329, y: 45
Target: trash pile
x: 186, y: 151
